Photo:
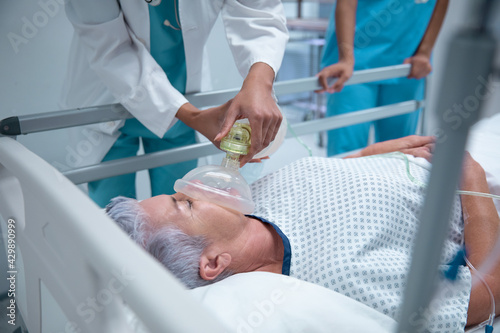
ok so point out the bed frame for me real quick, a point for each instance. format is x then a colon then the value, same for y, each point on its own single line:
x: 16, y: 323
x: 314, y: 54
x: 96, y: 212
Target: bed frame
x: 65, y: 249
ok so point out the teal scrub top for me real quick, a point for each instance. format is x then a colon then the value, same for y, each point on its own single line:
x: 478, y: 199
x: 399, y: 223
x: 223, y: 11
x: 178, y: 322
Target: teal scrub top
x: 387, y: 32
x: 167, y: 45
x: 167, y: 48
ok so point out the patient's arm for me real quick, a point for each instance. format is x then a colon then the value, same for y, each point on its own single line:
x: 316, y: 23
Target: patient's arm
x: 418, y: 146
x: 481, y: 231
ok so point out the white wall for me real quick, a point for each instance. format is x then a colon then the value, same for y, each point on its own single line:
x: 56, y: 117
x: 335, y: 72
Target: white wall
x: 33, y: 46
x: 35, y: 41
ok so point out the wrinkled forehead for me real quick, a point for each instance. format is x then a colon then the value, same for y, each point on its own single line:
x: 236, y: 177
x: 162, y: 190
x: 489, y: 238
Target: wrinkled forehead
x: 165, y: 210
x: 157, y: 208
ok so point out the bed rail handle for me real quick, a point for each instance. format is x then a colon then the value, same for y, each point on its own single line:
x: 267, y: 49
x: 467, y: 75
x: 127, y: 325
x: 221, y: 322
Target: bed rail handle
x: 62, y: 119
x: 180, y: 154
x: 10, y: 126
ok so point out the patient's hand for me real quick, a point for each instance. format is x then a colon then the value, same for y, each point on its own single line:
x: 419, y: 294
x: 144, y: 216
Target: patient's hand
x: 418, y: 146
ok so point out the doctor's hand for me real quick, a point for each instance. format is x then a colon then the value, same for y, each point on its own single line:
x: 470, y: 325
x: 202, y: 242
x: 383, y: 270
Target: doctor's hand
x: 254, y: 102
x: 342, y: 71
x: 420, y: 66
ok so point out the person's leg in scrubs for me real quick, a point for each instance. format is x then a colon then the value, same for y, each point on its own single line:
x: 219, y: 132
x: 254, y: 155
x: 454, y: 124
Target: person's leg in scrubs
x: 164, y: 177
x: 101, y: 191
x: 402, y: 125
x: 127, y: 145
x: 351, y: 98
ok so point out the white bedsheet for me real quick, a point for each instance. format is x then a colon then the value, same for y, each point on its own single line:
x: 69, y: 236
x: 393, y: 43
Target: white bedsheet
x: 271, y: 303
x: 279, y: 303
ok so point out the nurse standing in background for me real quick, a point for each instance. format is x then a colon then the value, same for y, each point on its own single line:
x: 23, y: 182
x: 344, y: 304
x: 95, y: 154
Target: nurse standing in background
x: 368, y: 34
x: 146, y: 55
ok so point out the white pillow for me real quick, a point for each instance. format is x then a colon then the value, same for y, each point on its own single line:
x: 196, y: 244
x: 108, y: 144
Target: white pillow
x: 267, y: 302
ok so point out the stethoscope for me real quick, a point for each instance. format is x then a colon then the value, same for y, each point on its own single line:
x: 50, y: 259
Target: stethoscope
x: 167, y: 22
x: 153, y: 2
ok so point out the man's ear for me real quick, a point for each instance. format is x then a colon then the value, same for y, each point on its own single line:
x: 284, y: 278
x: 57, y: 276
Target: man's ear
x: 212, y: 265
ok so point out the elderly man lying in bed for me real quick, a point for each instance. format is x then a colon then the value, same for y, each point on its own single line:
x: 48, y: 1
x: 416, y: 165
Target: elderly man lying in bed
x: 345, y: 224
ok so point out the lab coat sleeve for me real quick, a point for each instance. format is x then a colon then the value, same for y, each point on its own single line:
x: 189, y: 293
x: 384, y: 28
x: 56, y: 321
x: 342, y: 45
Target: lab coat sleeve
x: 256, y: 32
x: 125, y: 66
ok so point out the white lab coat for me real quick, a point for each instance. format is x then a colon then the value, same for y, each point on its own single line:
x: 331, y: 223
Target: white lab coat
x: 110, y: 62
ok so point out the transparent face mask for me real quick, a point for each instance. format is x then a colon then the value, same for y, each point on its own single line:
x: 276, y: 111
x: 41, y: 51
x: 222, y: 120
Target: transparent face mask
x: 218, y: 185
x: 223, y: 184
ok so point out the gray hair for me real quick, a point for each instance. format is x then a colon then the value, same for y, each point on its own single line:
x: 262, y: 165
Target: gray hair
x: 177, y: 251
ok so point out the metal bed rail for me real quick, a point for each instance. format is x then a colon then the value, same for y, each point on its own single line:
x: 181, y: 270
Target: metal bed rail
x: 186, y: 153
x: 17, y: 125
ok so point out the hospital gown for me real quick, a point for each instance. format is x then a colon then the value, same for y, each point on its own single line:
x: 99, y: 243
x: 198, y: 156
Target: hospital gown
x: 351, y: 224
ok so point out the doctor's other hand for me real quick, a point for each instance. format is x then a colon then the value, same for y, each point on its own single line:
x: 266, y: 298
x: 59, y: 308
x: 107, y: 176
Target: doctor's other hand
x: 256, y: 103
x: 342, y: 71
x: 420, y: 66
x: 208, y: 122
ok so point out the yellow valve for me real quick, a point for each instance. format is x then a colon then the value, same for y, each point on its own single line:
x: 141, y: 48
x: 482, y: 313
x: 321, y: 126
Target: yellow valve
x: 238, y: 140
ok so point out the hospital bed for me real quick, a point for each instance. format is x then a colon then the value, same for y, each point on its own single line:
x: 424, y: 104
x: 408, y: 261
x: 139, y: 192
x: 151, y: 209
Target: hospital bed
x: 62, y: 241
x: 74, y: 270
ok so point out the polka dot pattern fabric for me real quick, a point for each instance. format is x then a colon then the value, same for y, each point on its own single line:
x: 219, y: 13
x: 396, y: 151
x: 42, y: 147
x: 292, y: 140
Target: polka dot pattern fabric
x: 351, y: 225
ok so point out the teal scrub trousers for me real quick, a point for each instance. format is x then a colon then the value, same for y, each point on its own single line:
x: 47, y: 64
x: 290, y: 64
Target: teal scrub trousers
x: 364, y: 96
x: 127, y: 145
x: 387, y: 32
